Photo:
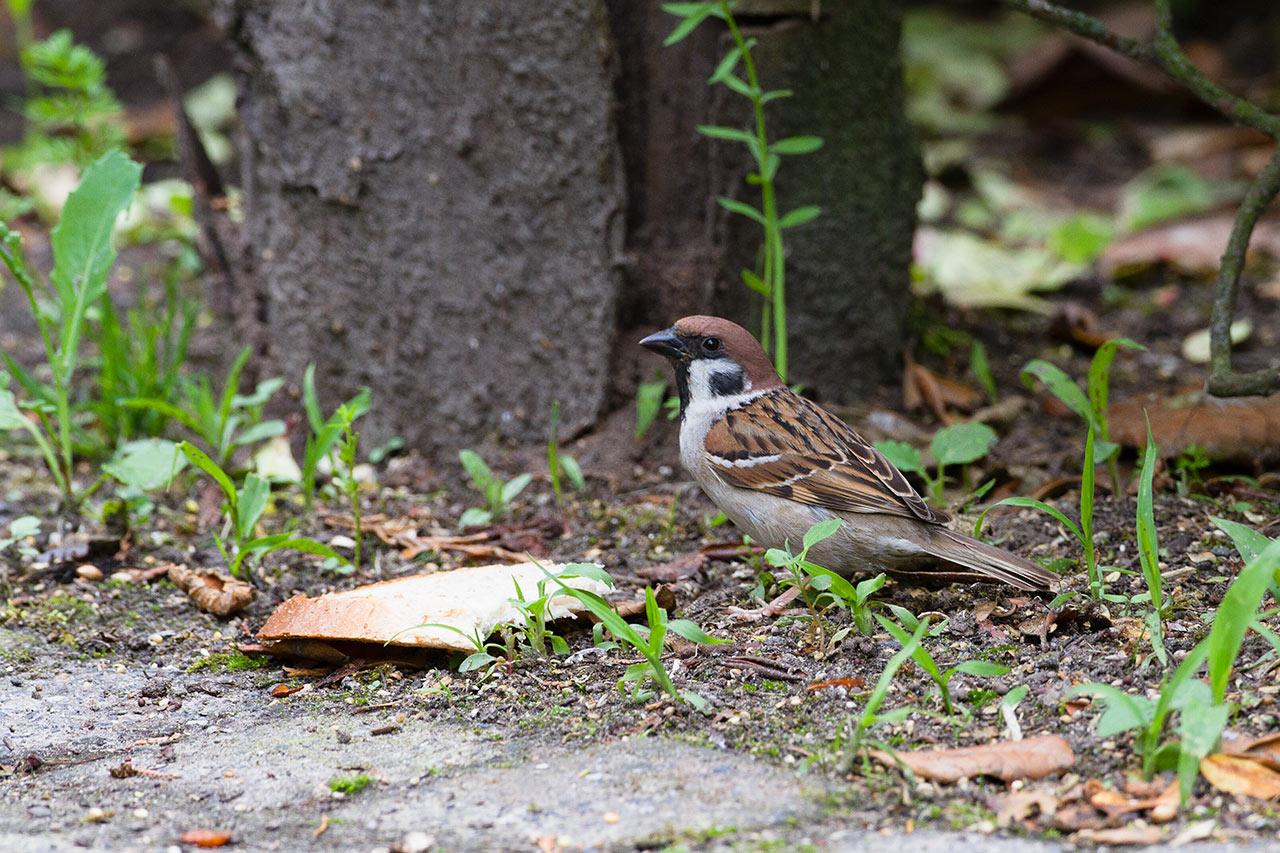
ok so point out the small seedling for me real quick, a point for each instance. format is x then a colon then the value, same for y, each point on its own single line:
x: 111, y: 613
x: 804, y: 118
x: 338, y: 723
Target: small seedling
x: 648, y: 640
x: 82, y: 259
x: 823, y: 589
x: 561, y: 463
x: 959, y: 444
x: 856, y: 740
x: 245, y: 506
x: 980, y: 367
x: 497, y: 494
x: 978, y: 668
x: 325, y: 434
x: 1083, y: 532
x: 535, y: 614
x: 768, y: 279
x: 222, y: 421
x: 1149, y: 549
x: 649, y: 397
x: 1092, y: 408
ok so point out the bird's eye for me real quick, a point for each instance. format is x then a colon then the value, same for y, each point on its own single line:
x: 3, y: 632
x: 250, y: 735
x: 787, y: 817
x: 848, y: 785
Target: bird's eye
x: 711, y: 344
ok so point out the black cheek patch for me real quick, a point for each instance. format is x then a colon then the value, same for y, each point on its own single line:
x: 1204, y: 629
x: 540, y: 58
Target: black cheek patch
x: 727, y: 383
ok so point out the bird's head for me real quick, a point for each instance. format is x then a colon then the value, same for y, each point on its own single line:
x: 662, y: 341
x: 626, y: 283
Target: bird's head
x: 713, y: 358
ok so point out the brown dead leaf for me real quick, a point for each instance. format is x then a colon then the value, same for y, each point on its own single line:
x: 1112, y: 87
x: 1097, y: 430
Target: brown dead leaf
x: 1021, y: 805
x: 207, y: 838
x: 282, y: 690
x: 1237, y: 775
x: 1076, y: 324
x: 1191, y: 246
x: 1265, y: 750
x: 633, y: 607
x: 1031, y: 758
x: 1239, y: 429
x: 854, y: 682
x: 728, y: 551
x: 213, y: 592
x: 1135, y: 833
x: 922, y: 387
x: 142, y: 575
x: 1163, y: 806
x: 683, y: 566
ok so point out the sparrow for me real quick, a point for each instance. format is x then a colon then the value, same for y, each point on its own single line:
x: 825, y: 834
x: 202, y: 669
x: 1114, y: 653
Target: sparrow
x: 776, y: 464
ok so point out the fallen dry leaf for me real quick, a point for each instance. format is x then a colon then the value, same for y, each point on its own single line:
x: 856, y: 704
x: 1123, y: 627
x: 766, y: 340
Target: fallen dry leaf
x: 1020, y: 806
x: 1265, y: 750
x: 1192, y: 246
x: 1031, y: 758
x: 282, y: 690
x: 212, y: 591
x: 854, y: 682
x: 683, y: 566
x: 206, y: 838
x: 1237, y: 775
x: 1240, y: 429
x: 1163, y: 806
x: 411, y: 612
x: 631, y: 607
x: 1134, y: 833
x: 922, y: 387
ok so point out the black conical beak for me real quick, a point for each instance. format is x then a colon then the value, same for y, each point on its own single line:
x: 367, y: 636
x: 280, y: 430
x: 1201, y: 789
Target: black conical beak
x: 666, y: 343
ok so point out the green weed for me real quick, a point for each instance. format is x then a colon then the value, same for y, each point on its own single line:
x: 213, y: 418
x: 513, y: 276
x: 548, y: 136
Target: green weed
x: 769, y: 277
x: 498, y: 494
x: 959, y: 444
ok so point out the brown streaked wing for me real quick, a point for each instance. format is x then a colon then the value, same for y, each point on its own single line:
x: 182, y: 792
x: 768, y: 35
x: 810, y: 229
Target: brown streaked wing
x: 819, y: 460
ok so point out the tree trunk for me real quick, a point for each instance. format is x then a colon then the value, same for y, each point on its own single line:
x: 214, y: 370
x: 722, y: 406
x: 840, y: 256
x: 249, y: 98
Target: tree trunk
x: 848, y: 272
x: 436, y: 204
x: 434, y: 208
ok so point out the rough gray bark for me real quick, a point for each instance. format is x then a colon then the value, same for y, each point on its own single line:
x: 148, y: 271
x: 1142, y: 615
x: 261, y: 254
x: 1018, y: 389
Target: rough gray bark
x: 848, y: 273
x: 434, y: 206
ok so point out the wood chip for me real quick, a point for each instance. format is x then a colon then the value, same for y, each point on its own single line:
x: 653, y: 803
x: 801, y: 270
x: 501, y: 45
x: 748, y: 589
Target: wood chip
x: 1132, y: 834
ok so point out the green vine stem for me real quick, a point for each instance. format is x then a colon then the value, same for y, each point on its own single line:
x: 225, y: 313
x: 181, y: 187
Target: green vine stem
x: 774, y: 261
x: 1165, y: 54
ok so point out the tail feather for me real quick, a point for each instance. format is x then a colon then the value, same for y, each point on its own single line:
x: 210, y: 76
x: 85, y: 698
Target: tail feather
x: 991, y: 561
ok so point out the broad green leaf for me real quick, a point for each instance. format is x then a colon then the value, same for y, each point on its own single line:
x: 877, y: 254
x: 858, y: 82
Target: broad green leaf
x: 262, y: 393
x: 475, y: 517
x: 796, y: 145
x: 1238, y: 609
x: 515, y: 486
x: 832, y: 581
x: 961, y: 444
x: 82, y: 249
x: 250, y: 503
x: 698, y: 12
x: 146, y: 464
x: 11, y: 416
x: 569, y: 466
x: 202, y: 461
x: 756, y: 283
x: 260, y: 432
x: 476, y: 660
x: 902, y: 455
x: 476, y: 469
x: 1164, y: 192
x: 693, y: 633
x: 586, y: 570
x: 1060, y: 384
x: 982, y: 668
x: 820, y: 531
x: 1082, y: 238
x: 799, y: 216
x: 1249, y: 542
x: 1123, y: 712
x: 869, y: 587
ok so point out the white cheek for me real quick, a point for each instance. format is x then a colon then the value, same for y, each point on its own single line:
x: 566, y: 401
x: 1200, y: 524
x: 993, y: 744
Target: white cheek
x: 702, y: 371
